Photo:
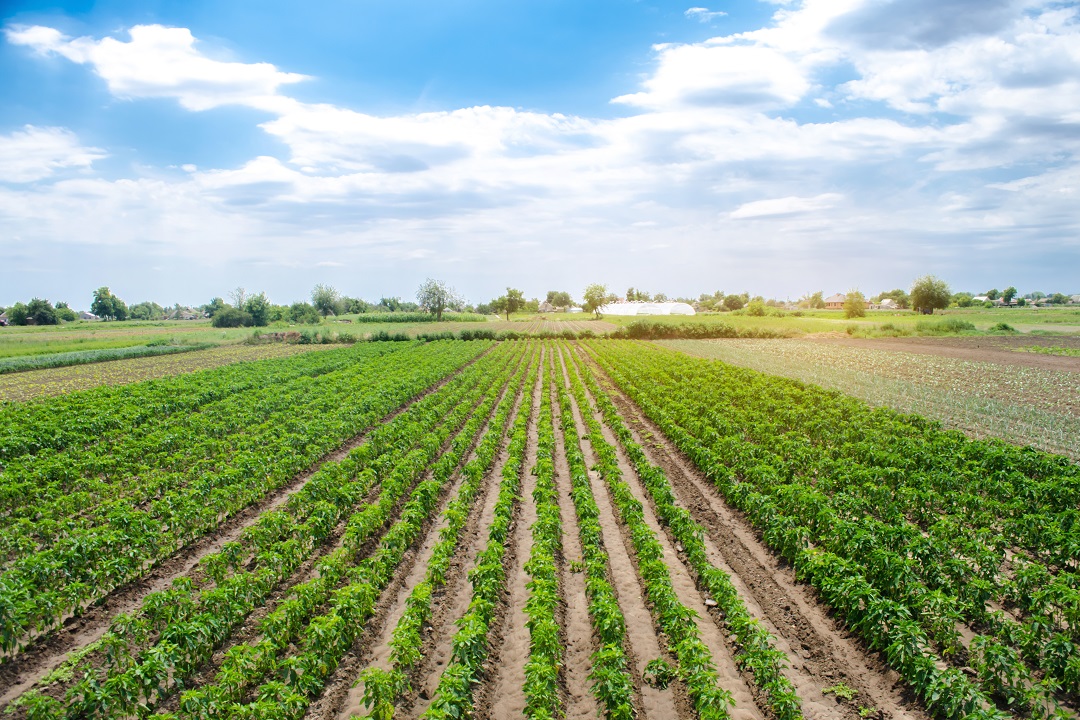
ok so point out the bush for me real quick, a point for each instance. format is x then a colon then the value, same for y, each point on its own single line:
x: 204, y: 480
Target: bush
x: 653, y: 330
x: 949, y: 326
x: 231, y: 317
x: 1003, y: 327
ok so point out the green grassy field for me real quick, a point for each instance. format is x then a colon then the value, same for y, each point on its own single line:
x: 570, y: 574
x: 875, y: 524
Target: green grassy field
x: 84, y: 335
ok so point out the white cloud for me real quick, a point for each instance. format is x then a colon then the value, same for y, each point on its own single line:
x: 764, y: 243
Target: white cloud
x: 163, y: 62
x: 36, y: 153
x: 703, y: 15
x: 785, y: 206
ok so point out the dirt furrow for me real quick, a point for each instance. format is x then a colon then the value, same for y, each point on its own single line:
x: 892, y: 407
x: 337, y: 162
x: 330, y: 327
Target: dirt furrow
x: 641, y: 633
x: 504, y: 695
x: 712, y: 634
x: 20, y: 674
x: 822, y: 652
x: 578, y: 640
x: 342, y: 696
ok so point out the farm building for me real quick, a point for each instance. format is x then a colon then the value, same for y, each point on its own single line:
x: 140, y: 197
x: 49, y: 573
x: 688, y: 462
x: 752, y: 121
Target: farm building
x: 647, y: 308
x: 835, y: 302
x: 84, y: 315
x: 546, y: 307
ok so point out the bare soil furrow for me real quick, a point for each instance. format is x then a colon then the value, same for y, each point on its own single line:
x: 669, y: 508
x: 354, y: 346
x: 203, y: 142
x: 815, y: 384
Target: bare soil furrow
x: 578, y: 639
x: 504, y: 695
x: 821, y: 651
x: 641, y: 633
x: 731, y: 678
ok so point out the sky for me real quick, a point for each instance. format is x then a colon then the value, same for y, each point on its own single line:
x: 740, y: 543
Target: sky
x: 176, y: 150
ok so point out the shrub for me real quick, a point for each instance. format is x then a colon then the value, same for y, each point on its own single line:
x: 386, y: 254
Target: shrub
x: 231, y: 317
x: 947, y: 326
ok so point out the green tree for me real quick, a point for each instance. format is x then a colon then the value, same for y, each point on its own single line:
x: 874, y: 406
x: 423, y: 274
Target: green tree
x: 302, y: 313
x: 258, y: 307
x: 231, y: 317
x: 930, y: 293
x: 813, y: 301
x: 41, y: 312
x: 992, y: 294
x: 108, y: 306
x: 515, y: 300
x: 325, y: 299
x: 595, y: 297
x: 17, y: 314
x: 899, y: 296
x: 1059, y: 299
x: 756, y: 307
x: 854, y: 304
x: 733, y: 302
x: 1008, y: 294
x: 558, y: 298
x: 962, y: 299
x: 435, y: 296
x: 214, y: 306
x: 64, y: 312
x: 393, y: 304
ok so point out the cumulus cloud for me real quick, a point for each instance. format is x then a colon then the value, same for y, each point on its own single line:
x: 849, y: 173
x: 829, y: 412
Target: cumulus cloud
x: 161, y: 61
x: 36, y: 153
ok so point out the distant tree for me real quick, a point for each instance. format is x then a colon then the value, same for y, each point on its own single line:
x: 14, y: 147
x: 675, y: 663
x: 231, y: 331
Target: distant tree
x: 813, y: 301
x: 558, y: 298
x: 733, y: 302
x: 216, y: 304
x: 17, y: 314
x: 992, y: 294
x: 258, y: 307
x: 108, y: 306
x: 899, y: 296
x: 595, y: 297
x: 660, y: 297
x: 929, y: 293
x: 962, y: 299
x: 515, y: 300
x: 64, y: 312
x: 238, y: 297
x: 1059, y: 299
x: 325, y: 299
x: 530, y: 306
x: 1021, y: 302
x: 146, y: 310
x: 1037, y: 295
x: 756, y: 307
x: 435, y: 296
x: 231, y: 317
x: 854, y: 304
x: 1008, y: 294
x: 355, y: 305
x: 302, y: 313
x: 42, y: 312
x: 391, y: 304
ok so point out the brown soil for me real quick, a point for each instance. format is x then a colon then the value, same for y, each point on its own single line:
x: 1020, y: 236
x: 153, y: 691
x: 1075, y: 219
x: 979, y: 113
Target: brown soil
x: 642, y: 636
x: 504, y: 695
x: 821, y: 651
x: 994, y: 349
x: 49, y: 651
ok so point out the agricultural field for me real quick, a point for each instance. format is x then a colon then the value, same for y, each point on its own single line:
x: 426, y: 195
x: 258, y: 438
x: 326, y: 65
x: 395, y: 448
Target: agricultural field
x: 84, y: 335
x: 529, y: 528
x: 30, y: 384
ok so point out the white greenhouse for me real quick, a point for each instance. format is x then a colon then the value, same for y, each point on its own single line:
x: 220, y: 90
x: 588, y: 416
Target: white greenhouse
x: 647, y: 308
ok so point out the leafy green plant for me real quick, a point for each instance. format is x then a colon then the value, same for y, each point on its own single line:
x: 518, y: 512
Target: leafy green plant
x: 659, y: 673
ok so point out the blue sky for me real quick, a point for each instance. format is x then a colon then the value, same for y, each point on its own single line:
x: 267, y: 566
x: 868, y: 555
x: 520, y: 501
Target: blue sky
x: 176, y: 150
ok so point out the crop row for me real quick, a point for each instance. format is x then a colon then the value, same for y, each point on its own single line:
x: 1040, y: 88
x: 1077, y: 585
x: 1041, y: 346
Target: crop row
x: 756, y: 646
x: 678, y: 623
x: 542, y: 668
x: 469, y: 646
x: 186, y: 622
x: 668, y: 390
x: 87, y: 562
x: 610, y: 675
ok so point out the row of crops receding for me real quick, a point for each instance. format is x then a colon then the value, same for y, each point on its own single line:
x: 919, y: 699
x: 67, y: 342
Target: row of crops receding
x: 343, y: 534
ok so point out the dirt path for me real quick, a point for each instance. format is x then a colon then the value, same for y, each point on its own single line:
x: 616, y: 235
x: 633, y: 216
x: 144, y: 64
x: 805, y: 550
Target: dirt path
x: 577, y: 635
x: 641, y: 634
x: 504, y: 695
x: 822, y: 653
x: 978, y: 349
x: 48, y: 653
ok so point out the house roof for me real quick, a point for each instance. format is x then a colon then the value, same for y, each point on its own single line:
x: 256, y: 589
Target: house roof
x: 837, y: 298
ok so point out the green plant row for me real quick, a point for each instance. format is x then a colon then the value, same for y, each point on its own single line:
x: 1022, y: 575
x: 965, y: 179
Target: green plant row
x: 85, y: 357
x: 696, y: 667
x: 943, y: 571
x: 187, y: 623
x: 86, y: 563
x: 469, y: 646
x: 384, y: 688
x: 545, y: 661
x: 82, y: 418
x: 756, y: 649
x: 254, y: 661
x: 325, y: 638
x: 611, y: 678
x: 885, y: 625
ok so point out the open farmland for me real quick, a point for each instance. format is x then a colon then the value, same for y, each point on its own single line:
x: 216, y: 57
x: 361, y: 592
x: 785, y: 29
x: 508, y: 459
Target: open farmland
x: 1013, y: 401
x: 525, y: 528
